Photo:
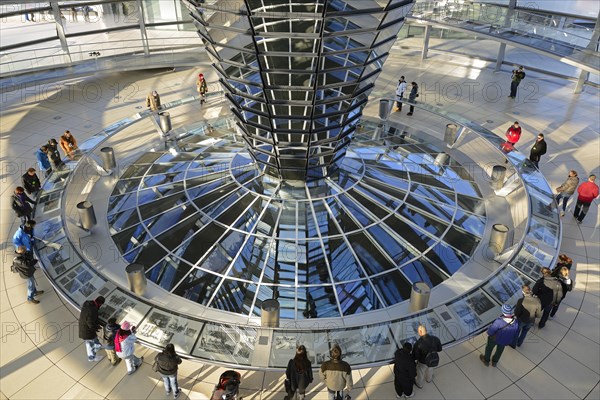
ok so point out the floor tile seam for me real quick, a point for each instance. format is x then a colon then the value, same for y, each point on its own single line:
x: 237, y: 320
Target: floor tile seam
x: 559, y: 381
x: 32, y: 378
x: 579, y: 362
x: 111, y: 390
x: 587, y: 395
x: 154, y: 387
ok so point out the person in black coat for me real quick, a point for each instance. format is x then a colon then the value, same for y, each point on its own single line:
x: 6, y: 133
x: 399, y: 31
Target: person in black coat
x: 110, y: 331
x: 424, y: 345
x: 24, y: 265
x: 31, y: 182
x: 54, y: 155
x: 167, y: 364
x: 89, y: 324
x: 549, y: 290
x: 412, y: 97
x: 405, y: 371
x: 538, y: 150
x: 21, y: 204
x: 298, y: 374
x: 567, y: 285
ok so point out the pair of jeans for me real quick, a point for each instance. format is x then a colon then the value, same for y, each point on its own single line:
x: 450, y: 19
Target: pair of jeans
x: 170, y: 383
x: 132, y: 362
x: 513, y: 88
x: 91, y: 347
x: 581, y: 209
x: 335, y: 395
x: 522, y: 332
x: 565, y: 198
x: 31, y: 289
x: 489, y: 347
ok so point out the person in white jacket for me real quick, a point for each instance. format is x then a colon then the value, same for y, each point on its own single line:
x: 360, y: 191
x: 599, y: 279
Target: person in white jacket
x: 125, y: 347
x: 400, y: 93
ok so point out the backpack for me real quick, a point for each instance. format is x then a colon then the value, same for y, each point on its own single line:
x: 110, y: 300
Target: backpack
x: 13, y: 268
x: 432, y: 359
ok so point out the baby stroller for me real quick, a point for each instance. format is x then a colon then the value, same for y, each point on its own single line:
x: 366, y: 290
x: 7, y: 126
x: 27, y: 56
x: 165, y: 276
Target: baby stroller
x: 228, y: 386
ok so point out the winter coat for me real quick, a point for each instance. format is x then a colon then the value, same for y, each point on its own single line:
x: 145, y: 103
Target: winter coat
x: 23, y: 237
x: 405, y: 368
x: 88, y: 320
x: 125, y: 343
x: 504, y: 329
x: 25, y: 265
x: 20, y: 204
x: 42, y: 159
x: 587, y: 192
x: 569, y: 186
x: 528, y: 308
x: 336, y: 374
x: 201, y: 86
x: 401, y: 89
x: 68, y: 144
x: 567, y: 285
x: 54, y: 157
x: 31, y: 183
x: 513, y: 134
x: 538, y: 150
x: 109, y: 334
x: 414, y: 93
x: 299, y: 380
x: 167, y: 363
x: 549, y: 290
x: 153, y: 102
x: 425, y: 345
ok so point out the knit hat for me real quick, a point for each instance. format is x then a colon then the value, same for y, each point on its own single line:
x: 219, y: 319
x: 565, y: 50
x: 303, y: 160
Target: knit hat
x: 336, y: 352
x: 507, y: 309
x: 125, y: 326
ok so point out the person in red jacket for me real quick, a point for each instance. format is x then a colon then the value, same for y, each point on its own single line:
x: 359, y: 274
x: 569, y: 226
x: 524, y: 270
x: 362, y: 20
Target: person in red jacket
x: 513, y: 133
x: 586, y: 192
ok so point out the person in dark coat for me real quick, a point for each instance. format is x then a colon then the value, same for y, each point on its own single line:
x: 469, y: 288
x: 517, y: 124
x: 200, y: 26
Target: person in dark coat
x: 424, y: 345
x: 89, y: 324
x: 500, y: 334
x: 21, y: 204
x: 412, y: 97
x: 298, y: 374
x: 405, y: 371
x: 166, y: 363
x: 528, y: 308
x: 549, y: 290
x: 31, y: 182
x: 43, y: 162
x: 54, y: 155
x: 24, y: 264
x: 538, y: 150
x: 517, y: 76
x: 567, y: 286
x: 110, y: 331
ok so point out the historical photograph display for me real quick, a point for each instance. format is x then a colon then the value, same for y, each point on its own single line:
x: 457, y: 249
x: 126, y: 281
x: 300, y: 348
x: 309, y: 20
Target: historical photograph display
x: 160, y: 328
x: 474, y: 310
x: 226, y: 343
x: 80, y: 283
x: 284, y: 344
x: 121, y: 306
x: 57, y: 259
x: 50, y: 230
x: 406, y: 330
x: 48, y: 202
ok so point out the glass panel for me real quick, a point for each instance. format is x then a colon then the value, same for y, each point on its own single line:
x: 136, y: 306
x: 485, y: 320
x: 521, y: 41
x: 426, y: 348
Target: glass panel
x: 357, y: 297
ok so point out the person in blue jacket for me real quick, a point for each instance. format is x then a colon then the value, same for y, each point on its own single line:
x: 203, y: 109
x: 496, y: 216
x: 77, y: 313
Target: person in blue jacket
x: 43, y: 160
x: 500, y: 334
x: 24, y: 236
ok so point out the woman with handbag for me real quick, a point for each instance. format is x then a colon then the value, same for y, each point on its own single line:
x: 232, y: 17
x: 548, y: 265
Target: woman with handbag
x: 500, y: 334
x: 298, y: 375
x: 167, y: 364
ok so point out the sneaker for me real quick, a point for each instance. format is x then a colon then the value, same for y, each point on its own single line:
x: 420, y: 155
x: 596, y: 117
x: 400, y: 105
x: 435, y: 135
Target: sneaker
x: 168, y: 392
x: 399, y: 397
x: 551, y: 317
x: 562, y: 213
x: 96, y: 359
x: 419, y: 386
x: 176, y: 394
x: 579, y: 221
x: 131, y: 372
x: 409, y: 113
x: 482, y: 358
x: 33, y: 301
x: 411, y: 395
x: 38, y: 293
x: 494, y: 364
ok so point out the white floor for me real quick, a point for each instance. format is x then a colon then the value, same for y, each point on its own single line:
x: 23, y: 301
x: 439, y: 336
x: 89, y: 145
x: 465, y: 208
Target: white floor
x: 42, y: 358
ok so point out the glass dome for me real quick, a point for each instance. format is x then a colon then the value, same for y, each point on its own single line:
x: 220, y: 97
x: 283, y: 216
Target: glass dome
x: 209, y: 225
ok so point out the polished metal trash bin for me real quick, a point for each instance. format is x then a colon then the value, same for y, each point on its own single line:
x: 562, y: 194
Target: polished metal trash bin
x: 450, y: 134
x: 165, y: 121
x: 498, y: 174
x: 269, y: 313
x: 384, y: 109
x: 498, y: 238
x: 419, y: 296
x: 87, y: 216
x: 136, y: 278
x: 108, y: 158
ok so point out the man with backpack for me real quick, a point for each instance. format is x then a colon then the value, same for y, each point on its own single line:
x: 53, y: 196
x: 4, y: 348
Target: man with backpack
x: 425, y: 352
x: 24, y: 265
x: 549, y: 290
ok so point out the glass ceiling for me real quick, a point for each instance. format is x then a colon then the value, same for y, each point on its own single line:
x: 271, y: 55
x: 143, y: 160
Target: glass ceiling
x: 210, y: 226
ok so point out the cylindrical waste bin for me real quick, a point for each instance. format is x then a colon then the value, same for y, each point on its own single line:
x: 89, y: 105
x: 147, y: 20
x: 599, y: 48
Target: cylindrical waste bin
x: 270, y: 313
x: 498, y: 174
x: 498, y: 238
x: 419, y: 296
x: 87, y: 216
x: 384, y: 109
x: 136, y: 278
x: 165, y: 121
x: 108, y: 158
x: 441, y: 159
x: 450, y: 134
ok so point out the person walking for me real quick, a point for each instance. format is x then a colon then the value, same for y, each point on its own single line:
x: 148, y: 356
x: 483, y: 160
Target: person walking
x: 425, y: 353
x: 109, y: 334
x: 549, y: 290
x: 41, y: 156
x: 517, y: 76
x: 412, y: 97
x: 153, y: 101
x: 513, y: 134
x: 24, y: 236
x: 405, y: 371
x: 166, y: 364
x: 68, y: 144
x: 500, y: 334
x: 21, y: 204
x: 538, y: 150
x: 528, y: 308
x: 586, y: 193
x: 201, y: 88
x: 336, y: 374
x: 24, y: 265
x: 298, y: 375
x: 567, y: 286
x: 566, y: 190
x: 89, y: 324
x: 125, y: 347
x: 400, y: 89
x: 31, y: 182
